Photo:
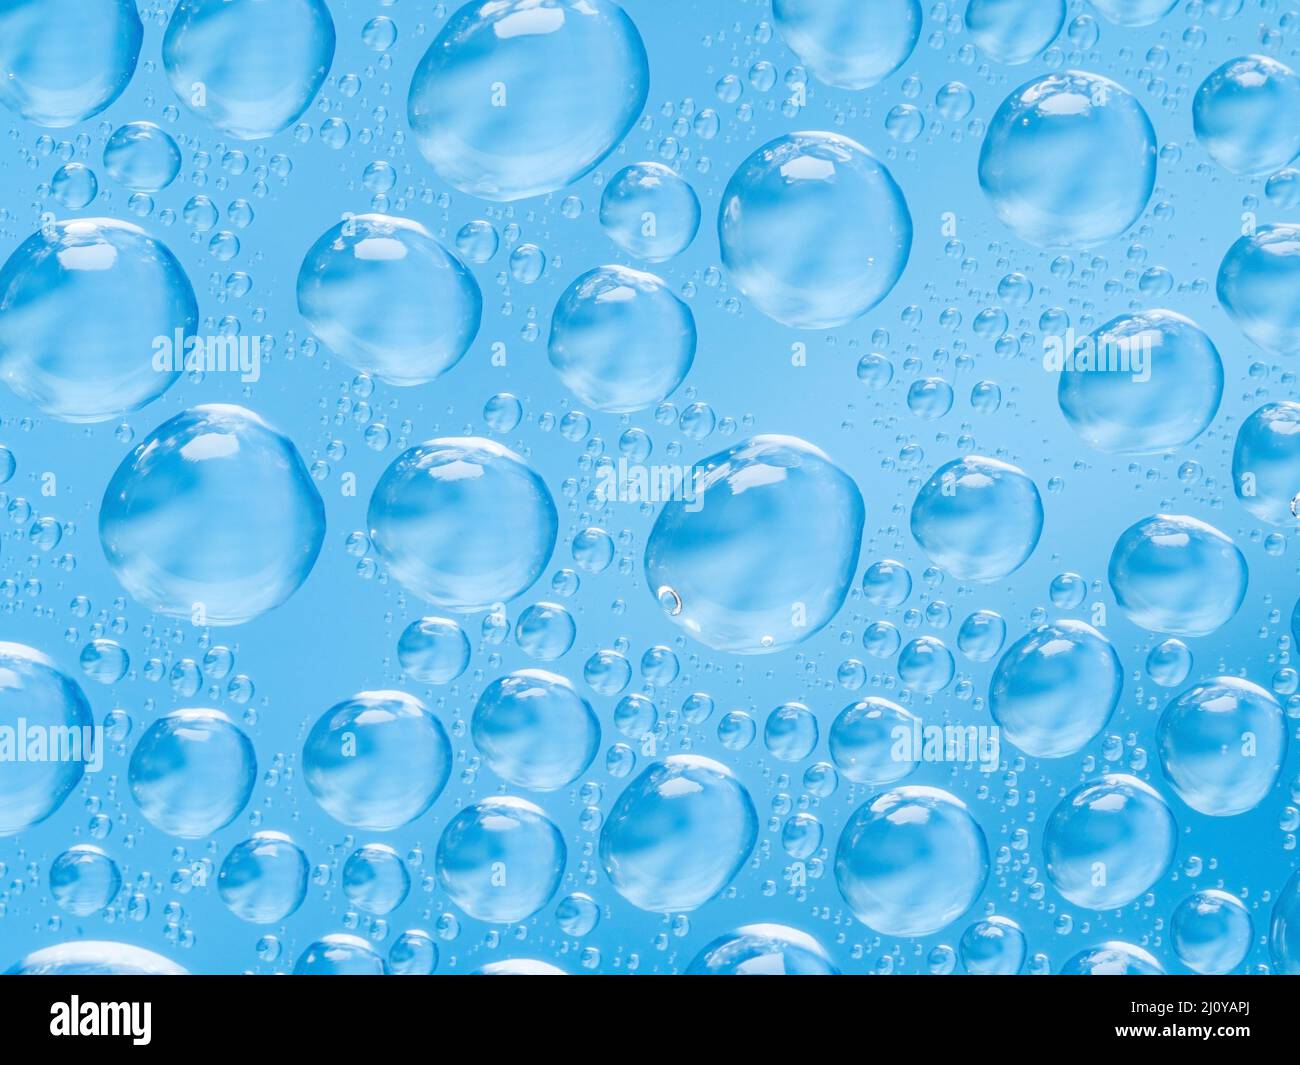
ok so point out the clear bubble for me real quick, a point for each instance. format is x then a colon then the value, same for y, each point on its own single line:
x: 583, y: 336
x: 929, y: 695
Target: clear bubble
x: 1284, y: 929
x: 1177, y: 575
x: 814, y: 230
x: 621, y: 340
x: 1108, y: 841
x: 1056, y: 688
x: 1112, y: 959
x: 377, y: 760
x: 791, y: 732
x: 1211, y: 932
x: 981, y: 635
x: 1222, y: 744
x: 86, y: 306
x: 88, y: 957
x: 84, y: 880
x: 63, y: 61
x: 763, y: 950
x: 535, y: 731
x: 995, y: 946
x: 577, y: 914
x: 650, y: 212
x: 1169, y: 662
x: 851, y: 44
x: 413, y: 953
x: 501, y: 860
x: 978, y: 518
x: 1103, y: 160
x: 1134, y: 12
x: 1244, y: 115
x: 375, y: 879
x: 1259, y: 286
x: 74, y: 185
x: 519, y: 967
x: 521, y: 97
x: 1266, y: 463
x: 1163, y: 391
x: 463, y: 522
x: 165, y: 516
x: 911, y: 861
x: 249, y: 67
x: 263, y: 879
x: 192, y: 772
x: 925, y: 665
x: 105, y: 661
x: 865, y: 742
x: 340, y: 954
x: 389, y: 299
x: 433, y: 650
x: 678, y: 834
x: 1014, y: 31
x: 739, y: 566
x: 886, y: 583
x: 142, y: 157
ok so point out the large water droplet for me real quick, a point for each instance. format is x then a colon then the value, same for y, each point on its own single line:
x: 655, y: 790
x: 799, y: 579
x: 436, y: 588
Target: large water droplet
x: 264, y: 879
x: 650, y: 212
x: 1245, y: 115
x: 83, y: 304
x: 165, y: 521
x: 1103, y: 160
x: 534, y: 730
x: 464, y: 522
x: 1259, y: 286
x: 1211, y: 932
x: 739, y: 566
x: 85, y: 957
x: 814, y: 230
x: 1014, y: 31
x: 851, y: 44
x: 391, y: 300
x: 517, y: 98
x: 763, y: 950
x: 142, y: 157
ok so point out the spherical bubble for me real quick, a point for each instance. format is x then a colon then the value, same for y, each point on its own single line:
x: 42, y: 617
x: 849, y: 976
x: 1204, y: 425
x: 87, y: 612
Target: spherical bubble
x: 790, y: 733
x: 1108, y: 841
x: 463, y: 522
x: 814, y: 230
x: 250, y: 67
x: 82, y: 305
x: 678, y: 834
x: 911, y: 861
x: 1112, y: 959
x: 413, y: 953
x: 1244, y: 115
x: 1266, y: 463
x: 389, y: 299
x: 650, y: 212
x: 517, y: 98
x: 433, y: 650
x: 578, y: 914
x: 1284, y: 929
x: 621, y: 340
x: 340, y: 955
x: 501, y: 860
x: 192, y: 772
x: 1164, y: 394
x: 763, y: 950
x: 1134, y: 12
x: 545, y: 631
x: 1211, y: 932
x: 1056, y: 688
x: 164, y: 519
x: 142, y: 157
x: 377, y: 760
x: 1014, y: 31
x: 871, y: 741
x: 62, y: 61
x: 1175, y: 574
x: 978, y: 518
x: 84, y: 957
x: 995, y: 946
x: 375, y: 879
x: 925, y: 665
x: 84, y: 880
x: 886, y: 583
x: 1259, y: 287
x: 1169, y: 662
x: 851, y: 44
x: 534, y: 730
x: 38, y: 701
x: 740, y: 567
x: 74, y: 185
x: 1222, y: 745
x: 264, y: 878
x: 981, y: 635
x: 1103, y: 153
x: 519, y: 967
